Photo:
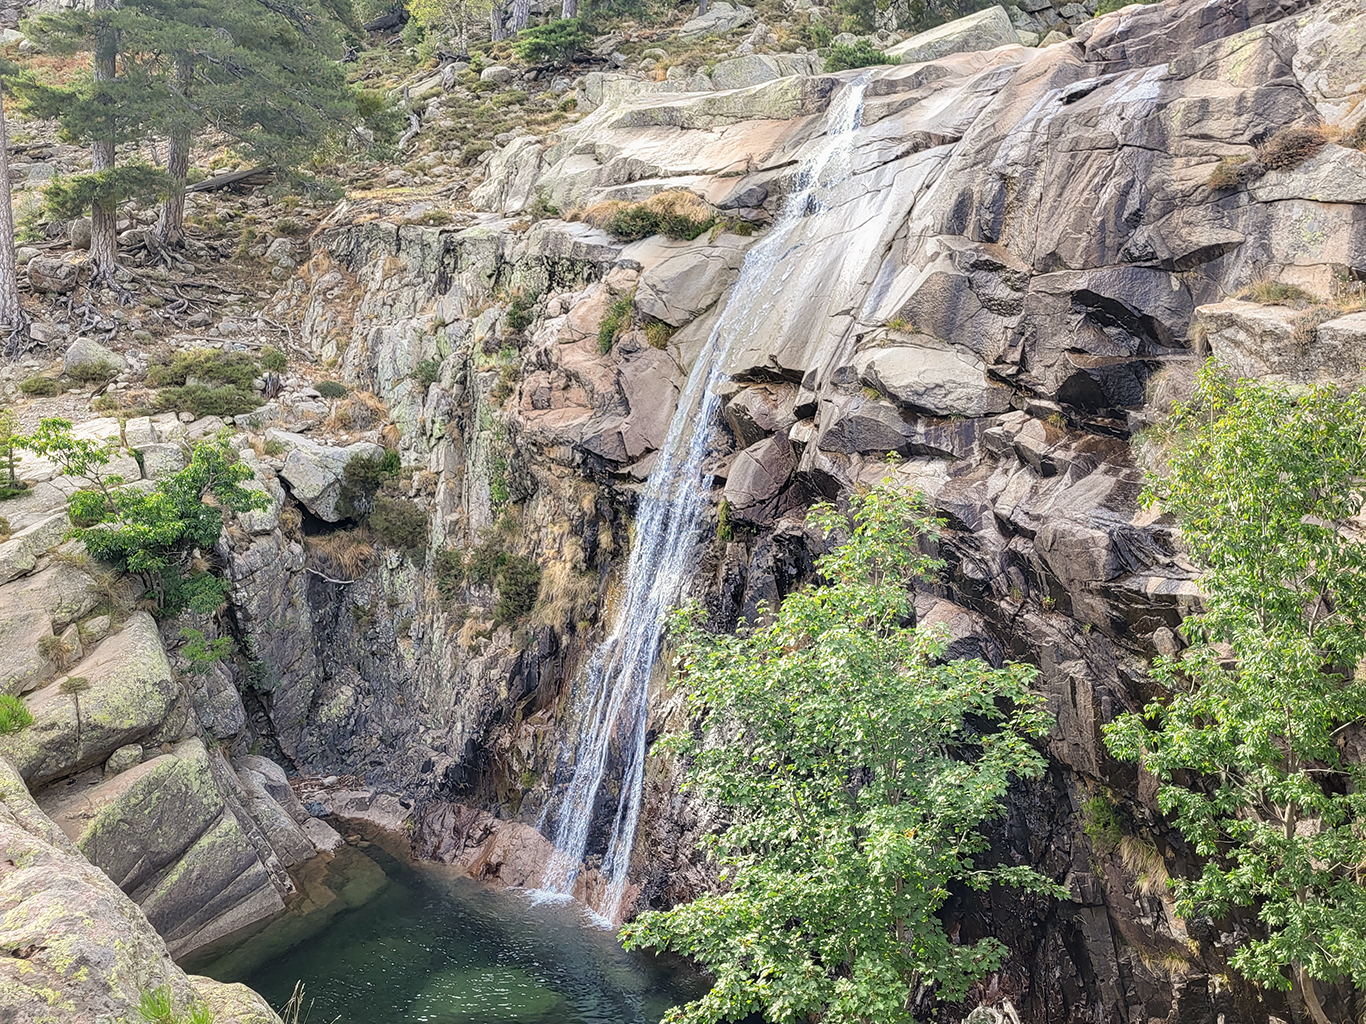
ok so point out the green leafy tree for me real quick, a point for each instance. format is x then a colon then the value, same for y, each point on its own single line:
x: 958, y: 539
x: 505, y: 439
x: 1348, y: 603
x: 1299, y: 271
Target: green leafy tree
x: 844, y: 56
x: 838, y: 740
x: 165, y: 535
x: 10, y: 440
x: 453, y: 17
x: 557, y: 41
x: 1266, y: 485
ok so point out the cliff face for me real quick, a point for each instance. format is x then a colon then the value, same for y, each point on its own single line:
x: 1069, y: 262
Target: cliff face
x: 1024, y: 262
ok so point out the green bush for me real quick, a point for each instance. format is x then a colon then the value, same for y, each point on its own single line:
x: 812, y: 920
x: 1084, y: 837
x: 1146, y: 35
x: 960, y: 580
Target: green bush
x: 520, y: 311
x: 273, y: 359
x: 845, y: 56
x: 557, y: 41
x: 449, y: 570
x: 206, y: 401
x: 674, y: 214
x: 518, y: 584
x: 399, y: 523
x: 14, y: 715
x: 93, y: 373
x: 618, y: 316
x: 331, y: 389
x: 427, y: 372
x: 206, y: 366
x: 41, y: 387
x: 362, y: 478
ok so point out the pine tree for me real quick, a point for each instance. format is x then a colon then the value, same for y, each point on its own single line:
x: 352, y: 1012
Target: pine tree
x: 260, y: 74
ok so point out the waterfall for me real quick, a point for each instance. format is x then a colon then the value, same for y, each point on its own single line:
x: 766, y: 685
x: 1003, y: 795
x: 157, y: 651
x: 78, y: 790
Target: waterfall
x: 613, y: 702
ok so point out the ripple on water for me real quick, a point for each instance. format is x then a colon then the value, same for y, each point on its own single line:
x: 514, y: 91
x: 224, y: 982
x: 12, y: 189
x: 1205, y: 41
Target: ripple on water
x: 377, y: 940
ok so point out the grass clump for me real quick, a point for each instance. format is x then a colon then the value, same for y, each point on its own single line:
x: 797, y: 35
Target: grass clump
x: 273, y: 360
x: 845, y: 56
x: 658, y: 333
x: 427, y: 372
x: 1356, y: 138
x: 617, y: 319
x: 1275, y: 293
x: 55, y: 650
x: 93, y: 373
x: 14, y: 715
x: 676, y: 213
x: 1233, y: 171
x: 342, y: 553
x: 521, y: 311
x: 1290, y: 147
x: 331, y: 389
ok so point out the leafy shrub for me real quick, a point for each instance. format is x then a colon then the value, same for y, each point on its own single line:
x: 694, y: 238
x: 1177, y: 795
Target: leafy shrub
x: 448, y: 568
x: 518, y: 584
x: 205, y: 366
x: 509, y: 99
x: 206, y: 401
x: 331, y: 389
x: 1292, y: 146
x: 557, y: 41
x: 362, y: 477
x: 273, y: 359
x: 14, y: 715
x: 618, y: 316
x: 676, y: 213
x: 846, y: 56
x: 470, y: 154
x: 41, y: 387
x: 399, y: 523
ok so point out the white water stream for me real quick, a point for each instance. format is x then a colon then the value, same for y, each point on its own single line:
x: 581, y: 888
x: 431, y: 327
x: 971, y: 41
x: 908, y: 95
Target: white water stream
x: 613, y: 699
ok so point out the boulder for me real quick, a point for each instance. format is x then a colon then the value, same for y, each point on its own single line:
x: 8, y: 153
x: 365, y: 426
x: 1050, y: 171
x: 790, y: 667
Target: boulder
x: 683, y: 279
x: 20, y: 553
x: 497, y: 74
x: 87, y: 953
x: 87, y: 354
x: 124, y: 758
x: 985, y: 30
x: 53, y: 275
x: 720, y: 17
x: 79, y: 233
x: 932, y: 377
x: 131, y: 689
x: 1289, y: 346
x: 160, y: 460
x: 756, y: 68
x: 314, y: 472
x: 22, y: 663
x: 758, y: 477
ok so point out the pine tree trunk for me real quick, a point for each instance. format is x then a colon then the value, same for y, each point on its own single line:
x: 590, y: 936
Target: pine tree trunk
x: 570, y: 9
x: 171, y: 223
x: 104, y: 216
x: 496, y: 26
x: 11, y: 313
x: 521, y: 14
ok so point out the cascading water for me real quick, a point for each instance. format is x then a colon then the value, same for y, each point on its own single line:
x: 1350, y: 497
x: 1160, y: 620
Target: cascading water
x: 615, y: 686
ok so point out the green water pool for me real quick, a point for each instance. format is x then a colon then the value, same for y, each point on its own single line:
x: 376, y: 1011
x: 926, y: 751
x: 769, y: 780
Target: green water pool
x: 377, y: 940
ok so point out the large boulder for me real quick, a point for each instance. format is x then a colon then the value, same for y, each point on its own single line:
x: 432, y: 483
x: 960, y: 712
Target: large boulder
x: 131, y: 689
x: 721, y: 17
x: 53, y: 275
x: 1289, y: 346
x: 79, y: 950
x: 755, y: 68
x: 932, y: 377
x: 315, y: 472
x: 683, y: 279
x: 984, y: 30
x: 20, y: 553
x: 89, y: 355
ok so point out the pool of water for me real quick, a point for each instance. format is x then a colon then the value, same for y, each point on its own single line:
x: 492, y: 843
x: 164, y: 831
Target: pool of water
x: 378, y: 940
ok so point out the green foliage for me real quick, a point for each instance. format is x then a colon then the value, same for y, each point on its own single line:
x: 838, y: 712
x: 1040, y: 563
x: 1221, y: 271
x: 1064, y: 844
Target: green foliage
x: 1103, y: 822
x: 558, y: 41
x: 520, y: 311
x: 93, y: 373
x: 362, y: 477
x: 273, y: 360
x: 1275, y: 293
x: 448, y: 568
x: 844, y: 56
x: 203, y: 653
x: 516, y: 577
x: 10, y: 441
x: 41, y: 387
x: 674, y: 214
x: 72, y: 195
x: 158, y: 1006
x: 724, y: 532
x: 14, y: 715
x: 205, y: 366
x: 158, y: 534
x: 857, y: 766
x: 206, y: 401
x: 1266, y: 484
x: 332, y: 389
x: 427, y: 372
x: 399, y: 523
x: 618, y: 318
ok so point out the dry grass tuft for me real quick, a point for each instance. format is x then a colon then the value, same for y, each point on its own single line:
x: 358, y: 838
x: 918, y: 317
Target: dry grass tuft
x: 676, y: 213
x: 1276, y: 293
x: 1290, y: 147
x: 342, y: 553
x: 360, y: 410
x: 1141, y: 859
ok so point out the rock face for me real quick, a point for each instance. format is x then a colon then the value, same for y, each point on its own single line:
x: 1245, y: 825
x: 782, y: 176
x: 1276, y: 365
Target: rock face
x: 79, y: 951
x: 315, y: 472
x: 985, y: 30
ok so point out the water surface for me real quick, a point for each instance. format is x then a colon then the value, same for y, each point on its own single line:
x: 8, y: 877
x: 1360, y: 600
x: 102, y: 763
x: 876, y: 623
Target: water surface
x: 377, y: 940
